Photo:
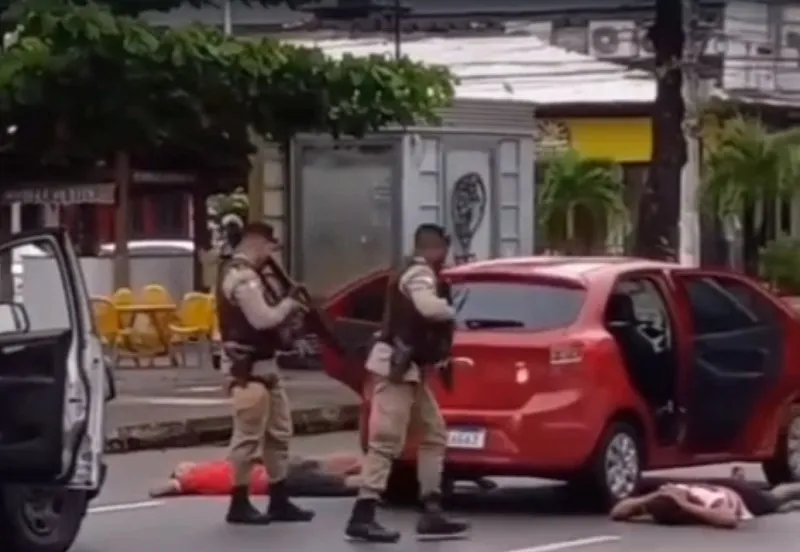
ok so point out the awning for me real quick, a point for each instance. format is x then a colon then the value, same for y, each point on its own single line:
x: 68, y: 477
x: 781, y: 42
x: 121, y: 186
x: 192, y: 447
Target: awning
x: 60, y: 194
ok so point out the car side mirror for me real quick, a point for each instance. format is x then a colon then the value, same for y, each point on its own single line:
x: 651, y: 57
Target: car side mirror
x: 14, y: 317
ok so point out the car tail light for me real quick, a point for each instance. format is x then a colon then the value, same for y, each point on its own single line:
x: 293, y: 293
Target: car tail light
x: 561, y: 355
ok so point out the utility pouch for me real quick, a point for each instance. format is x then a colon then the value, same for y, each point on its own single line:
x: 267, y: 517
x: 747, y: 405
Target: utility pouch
x: 399, y: 361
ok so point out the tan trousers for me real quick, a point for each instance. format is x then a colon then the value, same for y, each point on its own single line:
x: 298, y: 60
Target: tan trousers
x: 398, y: 408
x: 262, y: 428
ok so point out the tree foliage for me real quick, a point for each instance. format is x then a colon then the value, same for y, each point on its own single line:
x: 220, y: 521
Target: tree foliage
x: 82, y: 82
x: 136, y: 7
x: 579, y: 202
x: 748, y: 164
x: 747, y: 168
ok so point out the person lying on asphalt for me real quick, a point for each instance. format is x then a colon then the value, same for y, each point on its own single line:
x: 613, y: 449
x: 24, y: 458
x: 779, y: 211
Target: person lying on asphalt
x: 724, y: 505
x: 332, y: 475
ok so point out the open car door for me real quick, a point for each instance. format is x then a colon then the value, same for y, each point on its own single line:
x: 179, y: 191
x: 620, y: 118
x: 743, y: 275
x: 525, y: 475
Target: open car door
x: 356, y: 312
x: 53, y: 378
x: 736, y: 356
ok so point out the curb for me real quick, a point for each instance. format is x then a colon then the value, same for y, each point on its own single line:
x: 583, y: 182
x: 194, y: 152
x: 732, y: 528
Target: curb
x: 216, y: 429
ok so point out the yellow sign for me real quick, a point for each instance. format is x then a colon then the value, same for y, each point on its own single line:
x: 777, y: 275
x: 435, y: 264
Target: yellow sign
x: 623, y: 139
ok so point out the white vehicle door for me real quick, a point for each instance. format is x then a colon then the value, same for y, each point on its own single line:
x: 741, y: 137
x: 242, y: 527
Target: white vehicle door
x: 53, y: 378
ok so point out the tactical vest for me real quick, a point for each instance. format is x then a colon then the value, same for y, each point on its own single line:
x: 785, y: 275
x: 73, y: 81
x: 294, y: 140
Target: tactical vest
x: 234, y: 326
x: 429, y: 340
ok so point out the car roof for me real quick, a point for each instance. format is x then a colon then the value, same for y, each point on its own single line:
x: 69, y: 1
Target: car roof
x: 555, y: 266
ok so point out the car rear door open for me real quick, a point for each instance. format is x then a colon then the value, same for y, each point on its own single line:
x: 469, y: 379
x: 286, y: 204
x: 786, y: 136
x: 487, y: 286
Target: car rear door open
x: 45, y: 391
x: 736, y: 356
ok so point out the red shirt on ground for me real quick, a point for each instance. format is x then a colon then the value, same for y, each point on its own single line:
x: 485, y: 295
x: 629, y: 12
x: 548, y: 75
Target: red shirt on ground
x: 216, y: 478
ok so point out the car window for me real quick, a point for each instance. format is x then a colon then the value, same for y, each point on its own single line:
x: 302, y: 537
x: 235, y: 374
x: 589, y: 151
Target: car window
x: 650, y: 310
x: 38, y: 289
x: 719, y: 305
x: 368, y: 303
x: 512, y: 305
x: 750, y: 297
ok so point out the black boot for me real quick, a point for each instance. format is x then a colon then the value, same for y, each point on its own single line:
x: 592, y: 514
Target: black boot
x: 433, y: 524
x: 241, y: 511
x: 282, y: 509
x: 362, y: 525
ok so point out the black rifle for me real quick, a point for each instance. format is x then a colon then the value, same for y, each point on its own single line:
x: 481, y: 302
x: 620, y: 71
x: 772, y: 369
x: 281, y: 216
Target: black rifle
x: 315, y: 321
x: 446, y: 367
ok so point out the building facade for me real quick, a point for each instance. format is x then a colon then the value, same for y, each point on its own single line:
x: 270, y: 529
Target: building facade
x: 751, y: 48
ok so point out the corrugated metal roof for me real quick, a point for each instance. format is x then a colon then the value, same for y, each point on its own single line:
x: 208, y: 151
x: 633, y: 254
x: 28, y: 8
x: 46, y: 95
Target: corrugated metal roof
x: 513, y: 68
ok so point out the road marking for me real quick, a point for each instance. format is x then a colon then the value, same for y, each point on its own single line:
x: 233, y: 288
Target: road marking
x: 564, y: 545
x: 110, y: 508
x: 201, y: 389
x: 173, y: 401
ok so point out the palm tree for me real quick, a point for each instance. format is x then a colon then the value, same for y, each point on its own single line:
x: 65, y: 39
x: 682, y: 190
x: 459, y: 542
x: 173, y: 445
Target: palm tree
x: 748, y: 168
x: 580, y: 201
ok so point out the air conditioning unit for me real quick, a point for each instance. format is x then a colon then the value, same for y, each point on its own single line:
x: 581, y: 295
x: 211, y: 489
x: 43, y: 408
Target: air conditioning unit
x: 751, y: 66
x: 786, y: 67
x: 613, y: 39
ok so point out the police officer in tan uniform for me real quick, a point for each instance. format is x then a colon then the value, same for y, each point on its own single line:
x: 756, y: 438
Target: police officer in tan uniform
x: 251, y: 329
x: 400, y: 361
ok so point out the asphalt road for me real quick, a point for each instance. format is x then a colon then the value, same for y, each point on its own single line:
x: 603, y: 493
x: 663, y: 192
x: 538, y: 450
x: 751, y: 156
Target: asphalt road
x: 524, y: 517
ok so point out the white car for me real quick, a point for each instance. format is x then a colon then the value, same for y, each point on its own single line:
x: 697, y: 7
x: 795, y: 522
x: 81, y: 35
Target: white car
x: 52, y: 417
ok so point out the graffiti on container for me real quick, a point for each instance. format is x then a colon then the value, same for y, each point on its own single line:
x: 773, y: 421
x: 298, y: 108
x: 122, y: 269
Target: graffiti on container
x: 467, y: 210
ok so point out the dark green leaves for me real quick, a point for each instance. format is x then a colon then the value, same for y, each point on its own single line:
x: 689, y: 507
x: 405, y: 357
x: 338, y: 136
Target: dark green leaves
x: 135, y: 7
x: 83, y: 81
x: 580, y: 202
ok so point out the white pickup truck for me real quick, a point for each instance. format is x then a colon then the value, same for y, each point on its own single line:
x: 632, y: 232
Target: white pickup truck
x: 54, y: 385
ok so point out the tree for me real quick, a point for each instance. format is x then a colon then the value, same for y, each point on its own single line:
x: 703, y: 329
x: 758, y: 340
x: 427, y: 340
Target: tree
x: 135, y: 7
x: 151, y: 86
x: 83, y: 84
x: 747, y: 169
x: 580, y: 201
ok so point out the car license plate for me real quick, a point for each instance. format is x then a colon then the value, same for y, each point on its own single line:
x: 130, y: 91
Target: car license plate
x: 472, y: 439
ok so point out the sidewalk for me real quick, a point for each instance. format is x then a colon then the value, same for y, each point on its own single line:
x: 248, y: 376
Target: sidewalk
x: 174, y: 407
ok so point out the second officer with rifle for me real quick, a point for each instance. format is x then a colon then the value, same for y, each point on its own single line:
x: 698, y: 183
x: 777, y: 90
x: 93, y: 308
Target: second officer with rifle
x: 414, y: 338
x: 253, y: 329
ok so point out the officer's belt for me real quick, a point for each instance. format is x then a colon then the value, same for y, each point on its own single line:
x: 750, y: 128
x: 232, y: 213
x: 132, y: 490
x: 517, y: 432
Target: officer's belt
x: 237, y: 351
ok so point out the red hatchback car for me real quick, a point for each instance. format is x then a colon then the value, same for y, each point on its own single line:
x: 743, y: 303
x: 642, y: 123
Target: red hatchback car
x: 591, y: 370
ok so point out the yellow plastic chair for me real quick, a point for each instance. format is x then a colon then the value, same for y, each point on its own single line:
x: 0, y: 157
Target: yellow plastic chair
x: 124, y: 297
x: 106, y: 321
x: 156, y: 294
x: 193, y: 324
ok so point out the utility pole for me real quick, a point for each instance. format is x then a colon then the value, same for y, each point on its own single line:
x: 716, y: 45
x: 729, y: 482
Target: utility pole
x: 398, y: 31
x: 657, y: 227
x: 693, y: 99
x: 227, y: 18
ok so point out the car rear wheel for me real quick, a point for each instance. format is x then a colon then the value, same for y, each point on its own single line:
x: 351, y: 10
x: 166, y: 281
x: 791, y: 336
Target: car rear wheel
x: 784, y: 466
x: 40, y: 519
x: 615, y: 468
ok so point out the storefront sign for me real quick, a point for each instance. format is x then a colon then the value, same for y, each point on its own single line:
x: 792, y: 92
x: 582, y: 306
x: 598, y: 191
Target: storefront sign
x: 623, y: 139
x: 56, y: 194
